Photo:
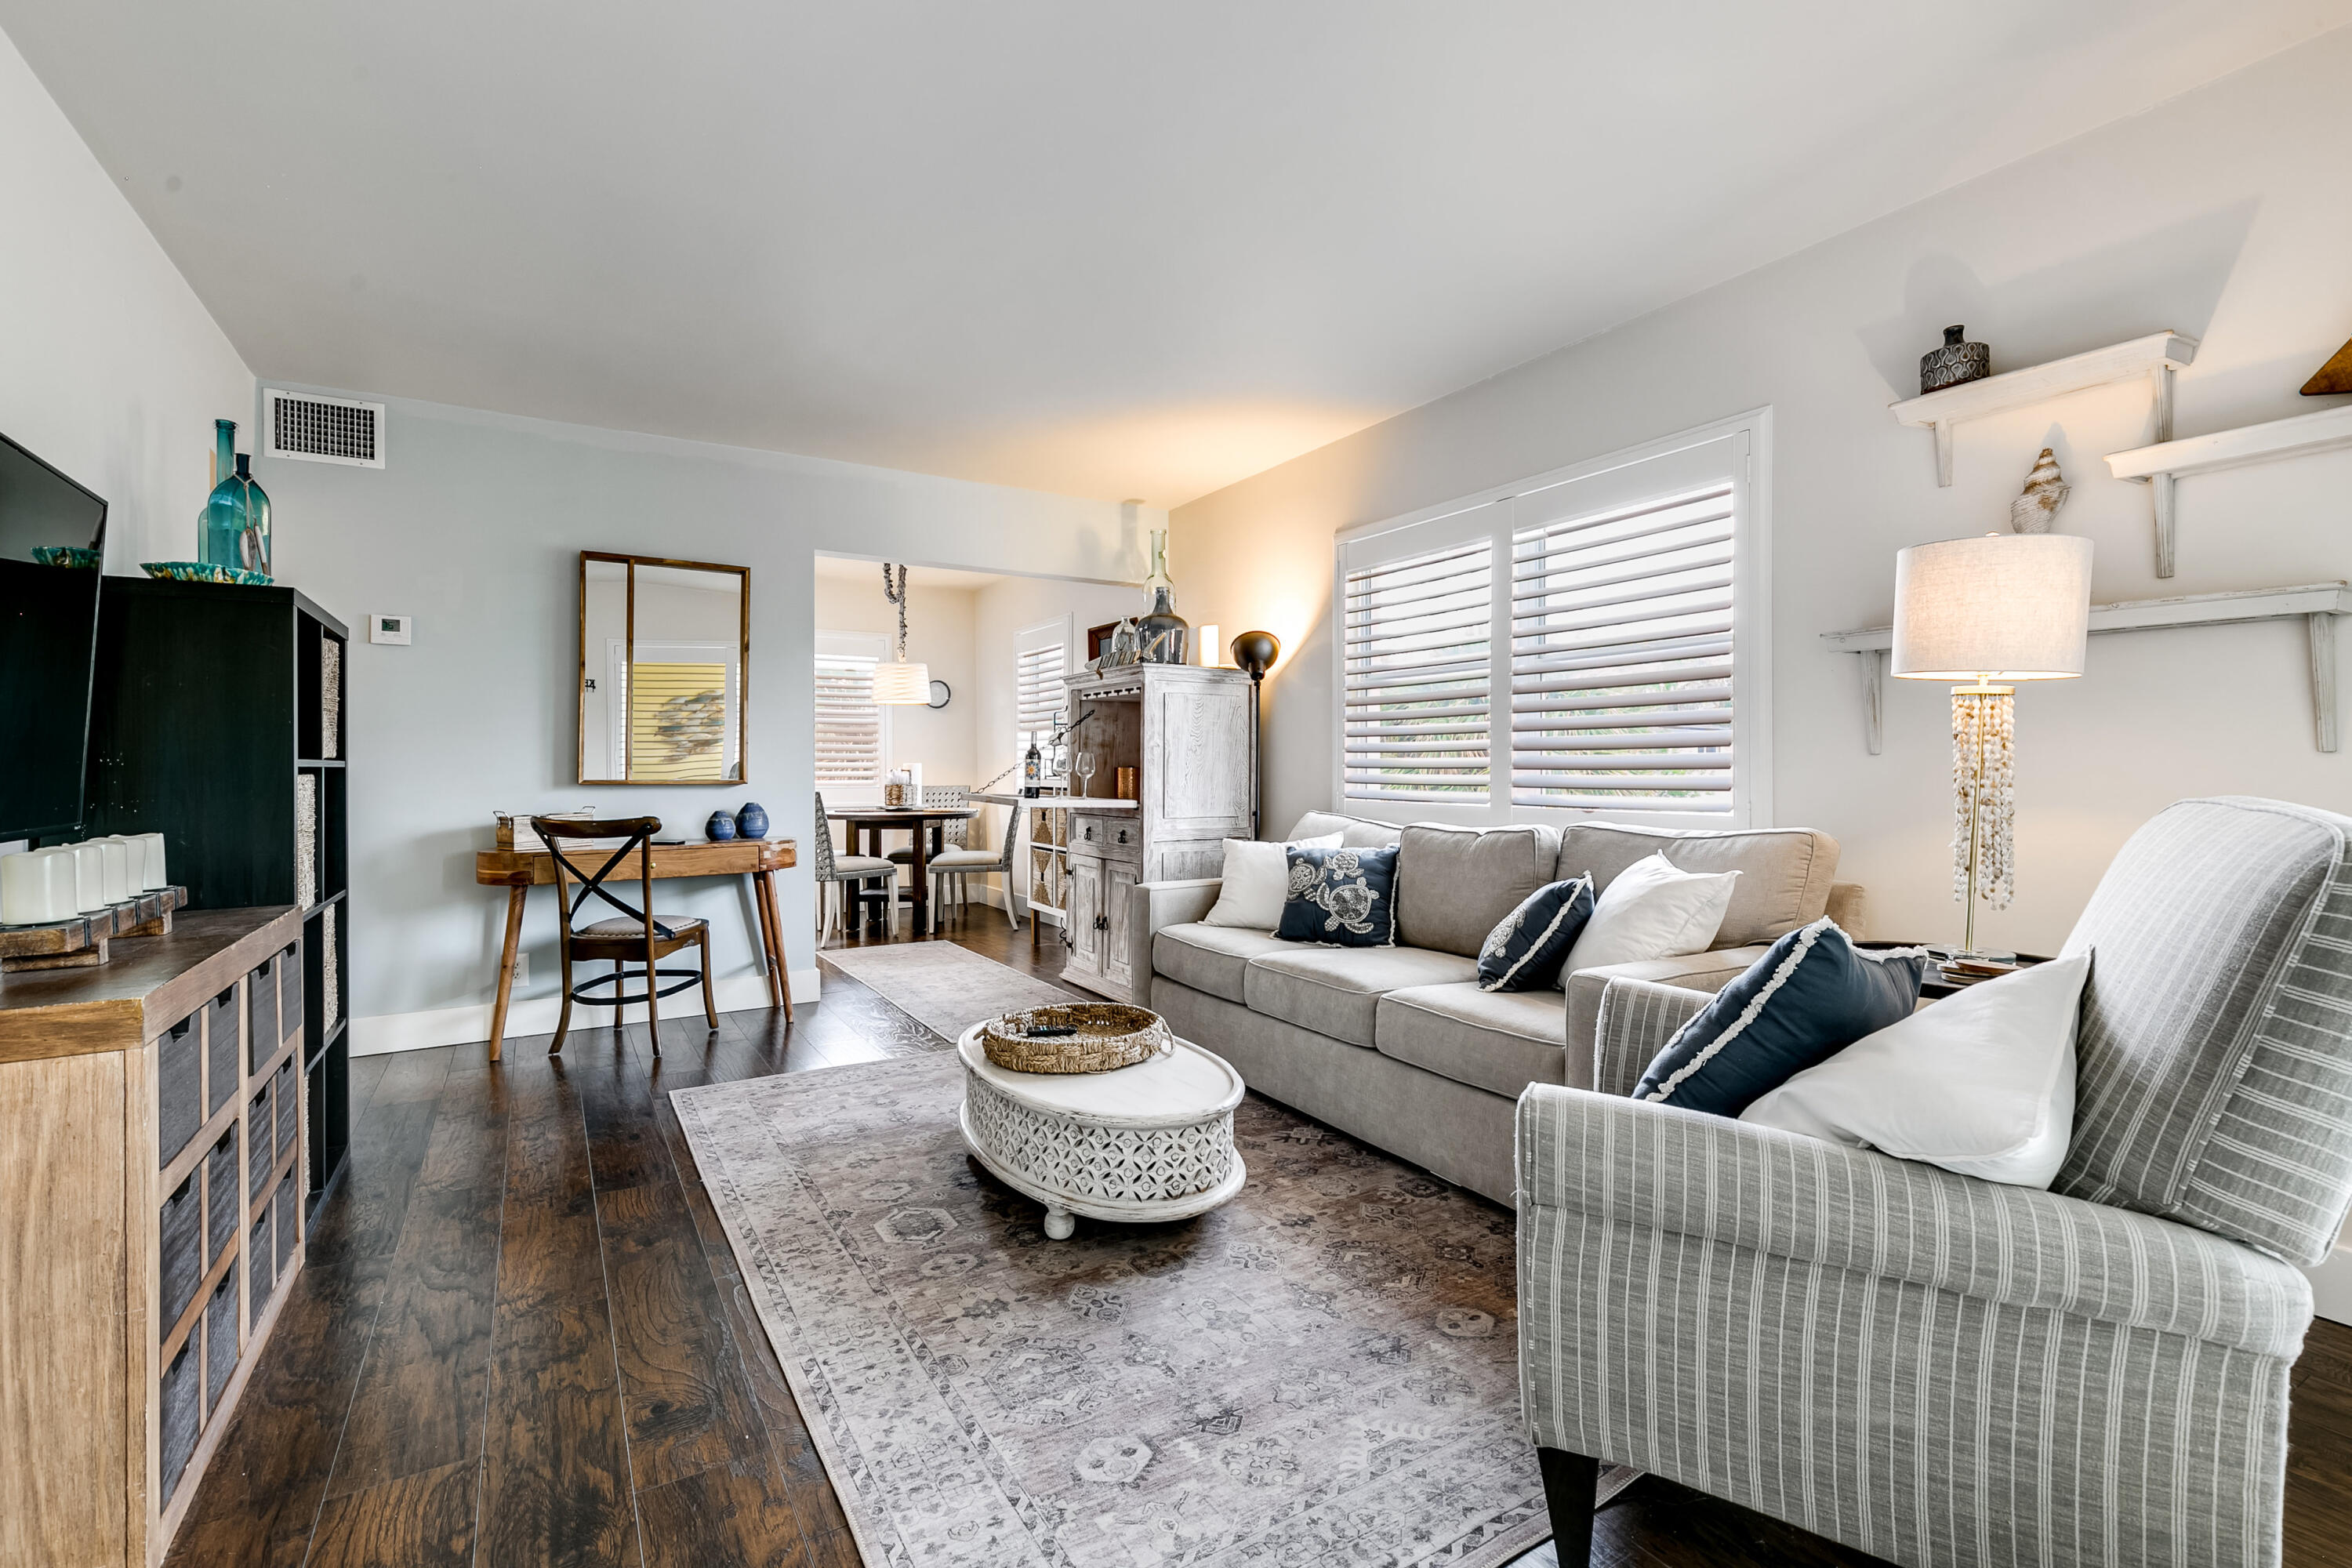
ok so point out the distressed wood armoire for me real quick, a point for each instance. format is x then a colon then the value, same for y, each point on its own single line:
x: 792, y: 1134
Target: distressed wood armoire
x: 1185, y: 730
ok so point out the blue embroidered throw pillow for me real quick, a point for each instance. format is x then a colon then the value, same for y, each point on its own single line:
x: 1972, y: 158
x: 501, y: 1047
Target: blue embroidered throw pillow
x: 1524, y: 952
x: 1813, y: 995
x: 1346, y: 898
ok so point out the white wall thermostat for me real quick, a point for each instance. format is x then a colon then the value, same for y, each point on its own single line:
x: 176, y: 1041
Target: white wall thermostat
x: 388, y: 628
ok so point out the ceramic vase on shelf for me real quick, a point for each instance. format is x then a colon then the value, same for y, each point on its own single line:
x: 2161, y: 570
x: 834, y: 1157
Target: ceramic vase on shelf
x: 720, y: 828
x: 1955, y: 362
x: 752, y: 822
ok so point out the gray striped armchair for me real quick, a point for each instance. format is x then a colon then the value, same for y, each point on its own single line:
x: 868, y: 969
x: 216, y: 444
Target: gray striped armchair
x: 1939, y: 1370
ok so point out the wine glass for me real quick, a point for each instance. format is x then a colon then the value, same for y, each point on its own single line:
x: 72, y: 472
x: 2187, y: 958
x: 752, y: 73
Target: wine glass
x: 1083, y: 764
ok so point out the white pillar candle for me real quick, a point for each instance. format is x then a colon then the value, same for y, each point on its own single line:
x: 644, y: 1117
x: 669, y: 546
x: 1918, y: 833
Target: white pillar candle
x: 134, y: 846
x: 37, y: 888
x: 89, y: 876
x: 113, y: 870
x: 154, y: 870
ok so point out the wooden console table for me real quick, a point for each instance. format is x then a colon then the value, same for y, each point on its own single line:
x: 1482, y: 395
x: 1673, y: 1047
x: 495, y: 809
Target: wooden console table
x: 520, y: 871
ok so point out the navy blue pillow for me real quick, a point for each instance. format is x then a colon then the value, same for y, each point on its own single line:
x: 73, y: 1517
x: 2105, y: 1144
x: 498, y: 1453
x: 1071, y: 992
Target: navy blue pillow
x: 1809, y: 998
x: 1525, y: 951
x: 1343, y: 897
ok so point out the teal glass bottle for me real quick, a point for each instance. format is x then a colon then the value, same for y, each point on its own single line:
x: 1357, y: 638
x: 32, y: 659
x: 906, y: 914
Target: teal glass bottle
x: 222, y: 525
x: 253, y: 545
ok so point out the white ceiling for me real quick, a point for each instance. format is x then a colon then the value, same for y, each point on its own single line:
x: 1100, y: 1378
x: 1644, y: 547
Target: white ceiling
x: 1113, y: 250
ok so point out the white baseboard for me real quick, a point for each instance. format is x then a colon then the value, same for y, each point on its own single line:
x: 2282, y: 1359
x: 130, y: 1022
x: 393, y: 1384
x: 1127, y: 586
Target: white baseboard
x: 2331, y: 1285
x: 389, y: 1032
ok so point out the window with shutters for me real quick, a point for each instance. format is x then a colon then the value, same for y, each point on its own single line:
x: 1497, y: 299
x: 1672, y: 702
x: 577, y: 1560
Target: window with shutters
x: 1590, y: 643
x: 1041, y: 657
x: 852, y: 734
x: 1621, y: 658
x: 1418, y: 676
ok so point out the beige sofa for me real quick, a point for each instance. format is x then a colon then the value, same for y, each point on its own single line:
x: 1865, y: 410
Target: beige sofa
x: 1397, y: 1045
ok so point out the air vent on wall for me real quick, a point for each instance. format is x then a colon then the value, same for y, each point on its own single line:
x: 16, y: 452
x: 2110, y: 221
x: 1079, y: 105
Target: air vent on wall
x: 322, y: 429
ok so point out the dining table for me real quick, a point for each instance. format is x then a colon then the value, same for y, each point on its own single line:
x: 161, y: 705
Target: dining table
x: 925, y: 824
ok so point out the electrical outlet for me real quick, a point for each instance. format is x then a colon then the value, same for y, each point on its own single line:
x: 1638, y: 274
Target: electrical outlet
x: 523, y: 968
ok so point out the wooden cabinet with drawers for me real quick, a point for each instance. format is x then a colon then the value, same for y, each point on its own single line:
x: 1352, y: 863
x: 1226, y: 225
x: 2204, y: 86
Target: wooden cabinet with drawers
x: 151, y: 1160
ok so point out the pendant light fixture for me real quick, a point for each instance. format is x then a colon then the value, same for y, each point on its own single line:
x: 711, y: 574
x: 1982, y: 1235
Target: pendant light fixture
x: 899, y: 683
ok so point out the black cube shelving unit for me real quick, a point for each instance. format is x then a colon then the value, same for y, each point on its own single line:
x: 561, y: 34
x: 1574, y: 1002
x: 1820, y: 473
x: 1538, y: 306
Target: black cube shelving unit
x: 216, y: 720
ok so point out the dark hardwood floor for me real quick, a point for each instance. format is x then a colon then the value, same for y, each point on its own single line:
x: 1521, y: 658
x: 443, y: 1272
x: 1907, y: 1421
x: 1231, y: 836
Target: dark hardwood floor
x: 521, y: 1336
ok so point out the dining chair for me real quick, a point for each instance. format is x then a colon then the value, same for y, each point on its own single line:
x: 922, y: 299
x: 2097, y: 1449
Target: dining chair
x: 960, y: 864
x: 837, y: 874
x: 636, y: 933
x: 954, y: 834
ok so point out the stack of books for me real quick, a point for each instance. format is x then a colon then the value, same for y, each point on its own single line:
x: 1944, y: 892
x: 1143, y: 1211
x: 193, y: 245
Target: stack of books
x: 1971, y: 971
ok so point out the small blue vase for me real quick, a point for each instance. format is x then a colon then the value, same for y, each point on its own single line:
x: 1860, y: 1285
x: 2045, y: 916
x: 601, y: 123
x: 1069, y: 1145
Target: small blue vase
x: 720, y: 828
x: 752, y: 822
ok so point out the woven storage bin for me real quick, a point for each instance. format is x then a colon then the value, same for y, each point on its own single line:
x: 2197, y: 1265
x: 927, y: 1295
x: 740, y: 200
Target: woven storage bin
x: 1110, y: 1035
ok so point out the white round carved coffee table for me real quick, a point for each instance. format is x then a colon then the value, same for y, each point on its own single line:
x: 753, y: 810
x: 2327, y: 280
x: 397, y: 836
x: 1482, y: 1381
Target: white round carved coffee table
x: 1152, y: 1141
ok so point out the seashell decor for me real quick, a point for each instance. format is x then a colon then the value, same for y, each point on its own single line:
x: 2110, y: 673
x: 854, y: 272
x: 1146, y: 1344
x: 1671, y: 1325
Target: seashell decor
x: 2046, y: 491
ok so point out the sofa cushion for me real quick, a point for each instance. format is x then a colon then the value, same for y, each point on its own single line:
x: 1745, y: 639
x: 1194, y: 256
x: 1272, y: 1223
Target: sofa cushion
x: 1211, y: 958
x: 1524, y: 952
x: 1345, y: 898
x: 1355, y: 832
x: 1497, y: 1040
x: 1455, y: 885
x: 1336, y: 991
x: 1810, y: 995
x: 1784, y: 872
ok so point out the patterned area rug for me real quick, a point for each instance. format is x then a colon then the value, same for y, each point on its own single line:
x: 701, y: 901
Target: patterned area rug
x: 948, y: 988
x: 1322, y: 1372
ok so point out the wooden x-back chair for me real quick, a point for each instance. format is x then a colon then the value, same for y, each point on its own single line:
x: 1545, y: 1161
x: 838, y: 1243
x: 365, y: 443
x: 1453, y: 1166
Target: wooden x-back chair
x: 637, y: 933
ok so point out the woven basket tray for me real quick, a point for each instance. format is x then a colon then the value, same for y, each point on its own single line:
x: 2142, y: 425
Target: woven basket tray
x: 1110, y: 1035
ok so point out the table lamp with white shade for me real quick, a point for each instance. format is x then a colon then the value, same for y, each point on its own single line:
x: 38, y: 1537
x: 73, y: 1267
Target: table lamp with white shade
x: 1985, y: 614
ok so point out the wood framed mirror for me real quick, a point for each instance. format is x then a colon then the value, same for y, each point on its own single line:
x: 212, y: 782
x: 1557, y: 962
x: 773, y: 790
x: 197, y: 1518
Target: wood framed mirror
x: 665, y: 646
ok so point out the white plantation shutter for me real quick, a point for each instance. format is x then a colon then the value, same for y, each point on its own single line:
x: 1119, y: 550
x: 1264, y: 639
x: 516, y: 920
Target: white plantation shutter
x: 1621, y: 658
x: 849, y: 741
x: 1591, y: 642
x: 1037, y: 690
x: 1417, y: 678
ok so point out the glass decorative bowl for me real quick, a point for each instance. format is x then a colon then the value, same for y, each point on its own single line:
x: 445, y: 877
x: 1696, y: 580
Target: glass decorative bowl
x: 80, y: 557
x: 203, y: 572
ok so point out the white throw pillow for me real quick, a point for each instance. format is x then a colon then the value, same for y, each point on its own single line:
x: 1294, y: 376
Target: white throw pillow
x: 1981, y: 1082
x: 1258, y: 875
x: 1652, y: 910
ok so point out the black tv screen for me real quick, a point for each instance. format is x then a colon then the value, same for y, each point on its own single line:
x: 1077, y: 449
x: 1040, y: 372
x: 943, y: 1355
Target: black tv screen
x: 52, y: 550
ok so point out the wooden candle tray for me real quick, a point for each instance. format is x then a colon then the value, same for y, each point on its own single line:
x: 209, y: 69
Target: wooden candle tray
x: 80, y: 942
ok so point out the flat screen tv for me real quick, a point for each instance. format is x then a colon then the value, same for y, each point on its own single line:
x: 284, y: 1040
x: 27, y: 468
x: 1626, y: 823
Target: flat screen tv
x: 52, y: 550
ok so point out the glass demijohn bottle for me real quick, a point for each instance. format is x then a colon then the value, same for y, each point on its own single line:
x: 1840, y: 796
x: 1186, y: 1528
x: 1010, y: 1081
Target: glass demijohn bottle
x: 221, y: 525
x: 253, y: 544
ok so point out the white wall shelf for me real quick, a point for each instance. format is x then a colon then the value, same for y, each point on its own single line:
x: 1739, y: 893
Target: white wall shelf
x: 2155, y: 356
x: 2166, y: 460
x: 2321, y: 432
x: 2316, y: 605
